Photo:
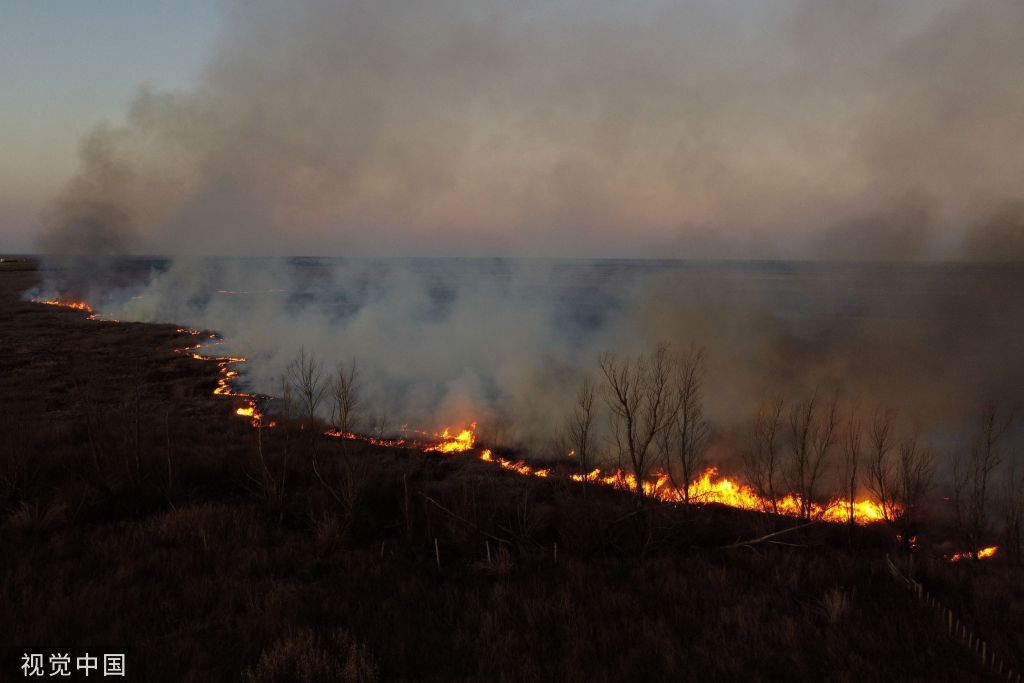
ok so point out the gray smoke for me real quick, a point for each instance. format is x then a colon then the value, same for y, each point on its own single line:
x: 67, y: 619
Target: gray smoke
x: 478, y: 128
x: 869, y: 131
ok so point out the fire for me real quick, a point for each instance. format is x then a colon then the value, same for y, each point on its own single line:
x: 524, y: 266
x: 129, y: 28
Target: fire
x: 709, y: 487
x: 76, y: 305
x: 252, y: 411
x: 445, y: 442
x: 376, y: 441
x: 518, y: 466
x: 455, y: 444
x: 981, y: 554
x: 225, y: 375
x: 73, y: 305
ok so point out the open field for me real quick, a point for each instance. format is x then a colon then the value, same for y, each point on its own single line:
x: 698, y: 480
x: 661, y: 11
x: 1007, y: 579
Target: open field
x: 139, y: 514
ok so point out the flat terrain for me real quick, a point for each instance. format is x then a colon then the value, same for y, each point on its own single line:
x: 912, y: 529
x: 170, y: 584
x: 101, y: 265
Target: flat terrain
x: 138, y: 514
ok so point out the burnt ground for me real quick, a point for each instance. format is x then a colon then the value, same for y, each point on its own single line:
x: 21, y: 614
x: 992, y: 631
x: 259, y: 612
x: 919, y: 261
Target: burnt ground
x: 137, y: 516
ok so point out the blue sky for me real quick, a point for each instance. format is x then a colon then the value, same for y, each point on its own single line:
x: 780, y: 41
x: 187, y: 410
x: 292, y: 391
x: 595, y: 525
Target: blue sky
x: 66, y: 65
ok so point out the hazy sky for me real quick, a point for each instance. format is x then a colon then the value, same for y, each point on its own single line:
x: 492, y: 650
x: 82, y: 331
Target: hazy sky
x: 868, y: 129
x: 66, y: 65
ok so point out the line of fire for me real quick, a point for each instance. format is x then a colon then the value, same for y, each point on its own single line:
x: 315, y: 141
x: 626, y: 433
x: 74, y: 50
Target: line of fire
x: 708, y: 487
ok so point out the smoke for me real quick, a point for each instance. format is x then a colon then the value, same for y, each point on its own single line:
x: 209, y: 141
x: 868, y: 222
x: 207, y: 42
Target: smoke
x: 506, y: 343
x: 1000, y: 237
x: 870, y: 132
x: 569, y: 128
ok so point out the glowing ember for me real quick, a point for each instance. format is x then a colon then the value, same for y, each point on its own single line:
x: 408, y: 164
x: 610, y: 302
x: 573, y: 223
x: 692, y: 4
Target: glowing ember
x: 981, y: 554
x: 389, y: 443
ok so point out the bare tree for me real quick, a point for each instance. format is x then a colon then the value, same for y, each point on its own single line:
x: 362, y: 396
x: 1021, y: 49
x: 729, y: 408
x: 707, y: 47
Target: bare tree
x: 899, y: 483
x: 685, y: 441
x: 381, y: 424
x: 639, y: 396
x: 761, y: 459
x: 349, y: 490
x: 914, y: 474
x: 1013, y: 513
x: 813, y: 432
x: 881, y: 470
x: 851, y: 464
x: 347, y: 400
x: 580, y: 425
x: 972, y: 473
x: 306, y: 377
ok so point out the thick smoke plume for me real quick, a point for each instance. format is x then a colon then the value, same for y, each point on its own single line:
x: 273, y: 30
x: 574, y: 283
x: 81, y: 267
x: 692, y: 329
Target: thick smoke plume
x: 687, y: 129
x: 869, y: 131
x: 507, y: 342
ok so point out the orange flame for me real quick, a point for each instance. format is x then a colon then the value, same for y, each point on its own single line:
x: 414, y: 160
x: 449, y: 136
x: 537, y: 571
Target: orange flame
x: 455, y: 444
x: 73, y: 305
x: 710, y: 488
x: 981, y: 554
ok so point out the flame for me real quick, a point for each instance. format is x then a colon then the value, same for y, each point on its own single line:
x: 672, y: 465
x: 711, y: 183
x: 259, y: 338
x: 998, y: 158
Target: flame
x: 455, y: 444
x: 252, y: 411
x: 225, y: 375
x: 376, y: 441
x: 76, y: 305
x: 709, y: 487
x: 520, y: 467
x: 72, y: 304
x: 981, y: 554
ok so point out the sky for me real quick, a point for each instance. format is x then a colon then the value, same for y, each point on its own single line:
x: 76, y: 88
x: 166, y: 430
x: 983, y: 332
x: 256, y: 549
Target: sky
x: 66, y: 65
x: 692, y: 128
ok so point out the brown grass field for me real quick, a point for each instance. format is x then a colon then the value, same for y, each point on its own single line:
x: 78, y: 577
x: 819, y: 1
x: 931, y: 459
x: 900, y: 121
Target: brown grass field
x: 136, y: 517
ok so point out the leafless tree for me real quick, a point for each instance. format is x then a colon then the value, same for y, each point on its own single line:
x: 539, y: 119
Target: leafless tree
x: 348, y: 491
x: 972, y: 474
x: 881, y: 469
x: 642, y: 405
x: 306, y: 377
x: 761, y: 459
x: 1013, y: 513
x: 684, y: 443
x: 851, y: 464
x: 914, y: 473
x: 347, y: 400
x: 580, y: 425
x: 270, y: 485
x: 813, y: 430
x: 899, y: 483
x: 381, y: 424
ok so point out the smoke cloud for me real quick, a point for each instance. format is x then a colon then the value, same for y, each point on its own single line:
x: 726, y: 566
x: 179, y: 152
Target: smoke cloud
x: 804, y: 129
x: 686, y: 129
x: 506, y: 343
